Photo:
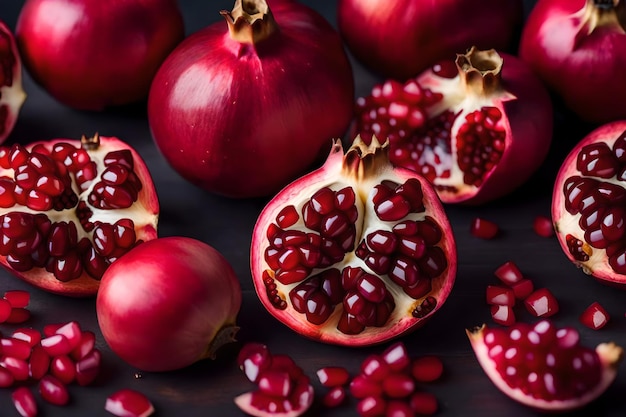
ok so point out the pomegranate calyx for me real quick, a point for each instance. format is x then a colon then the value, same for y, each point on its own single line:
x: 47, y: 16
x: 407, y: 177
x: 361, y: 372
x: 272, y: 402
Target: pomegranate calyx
x: 90, y: 143
x: 480, y: 71
x: 224, y: 336
x: 250, y: 21
x: 602, y: 14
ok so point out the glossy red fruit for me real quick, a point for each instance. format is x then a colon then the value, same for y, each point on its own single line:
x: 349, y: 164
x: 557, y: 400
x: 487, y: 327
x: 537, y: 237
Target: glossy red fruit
x: 578, y: 48
x: 543, y: 226
x: 91, y: 55
x: 483, y: 228
x: 498, y: 295
x: 463, y: 124
x: 427, y: 368
x: 156, y: 323
x: 333, y: 376
x: 64, y: 219
x: 53, y: 391
x: 542, y: 303
x: 24, y: 401
x: 243, y: 107
x: 503, y: 314
x: 509, y: 273
x: 543, y: 366
x: 356, y: 252
x: 402, y: 38
x: 12, y: 95
x: 128, y: 402
x: 588, y: 203
x: 595, y: 316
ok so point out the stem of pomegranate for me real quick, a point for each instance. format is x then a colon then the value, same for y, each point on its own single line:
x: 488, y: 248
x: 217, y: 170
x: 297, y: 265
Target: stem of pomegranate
x: 223, y: 336
x: 250, y: 21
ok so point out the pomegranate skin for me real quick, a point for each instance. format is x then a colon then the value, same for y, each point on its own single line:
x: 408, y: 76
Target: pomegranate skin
x: 401, y: 39
x: 12, y: 95
x: 90, y: 54
x: 165, y: 305
x: 579, y: 50
x: 243, y: 119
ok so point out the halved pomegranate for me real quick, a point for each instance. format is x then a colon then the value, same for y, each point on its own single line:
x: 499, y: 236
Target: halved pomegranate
x: 69, y: 208
x: 12, y: 95
x: 464, y: 124
x: 589, y: 203
x: 543, y: 366
x: 356, y: 252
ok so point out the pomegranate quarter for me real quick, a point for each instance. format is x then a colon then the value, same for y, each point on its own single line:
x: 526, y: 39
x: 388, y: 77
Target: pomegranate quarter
x: 589, y: 203
x: 356, y: 252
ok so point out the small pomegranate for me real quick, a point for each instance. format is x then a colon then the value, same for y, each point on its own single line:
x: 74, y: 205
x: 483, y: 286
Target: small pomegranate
x: 543, y: 366
x: 588, y: 208
x: 356, y: 252
x: 464, y: 125
x: 12, y: 95
x: 70, y: 208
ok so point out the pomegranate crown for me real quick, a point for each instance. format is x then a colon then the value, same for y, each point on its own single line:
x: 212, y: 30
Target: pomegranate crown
x: 363, y: 160
x: 250, y: 21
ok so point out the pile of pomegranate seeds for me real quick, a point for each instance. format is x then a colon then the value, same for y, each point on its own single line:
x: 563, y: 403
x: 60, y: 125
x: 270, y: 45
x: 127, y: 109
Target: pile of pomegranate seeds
x: 484, y: 229
x: 504, y: 298
x: 595, y: 316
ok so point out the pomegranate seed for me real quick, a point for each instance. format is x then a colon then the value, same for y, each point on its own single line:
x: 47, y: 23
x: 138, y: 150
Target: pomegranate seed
x: 18, y: 315
x: 375, y: 367
x: 484, y: 229
x: 53, y: 390
x: 523, y: 288
x: 128, y: 403
x: 334, y: 397
x: 509, y: 273
x: 56, y: 345
x: 427, y: 368
x: 595, y: 316
x: 85, y: 346
x: 18, y: 367
x: 424, y: 403
x: 397, y: 408
x: 88, y: 368
x: 275, y: 383
x: 397, y: 357
x: 361, y: 387
x: 542, y: 303
x: 333, y: 376
x: 500, y: 295
x: 15, y: 348
x: 542, y: 225
x: 503, y: 315
x: 24, y: 402
x: 5, y: 310
x: 371, y: 407
x: 72, y: 333
x: 398, y: 385
x: 6, y: 378
x: 64, y: 368
x: 28, y: 335
x: 17, y: 298
x: 38, y: 363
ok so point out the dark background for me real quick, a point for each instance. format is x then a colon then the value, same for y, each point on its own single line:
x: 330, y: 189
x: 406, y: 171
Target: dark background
x: 207, y: 388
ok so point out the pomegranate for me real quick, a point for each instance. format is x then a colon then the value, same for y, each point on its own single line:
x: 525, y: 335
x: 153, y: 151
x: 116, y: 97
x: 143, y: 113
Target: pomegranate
x: 243, y: 107
x: 356, y: 252
x: 92, y: 54
x: 543, y: 366
x: 594, y: 316
x: 157, y: 323
x: 588, y: 203
x: 12, y: 95
x: 128, y: 402
x: 464, y: 124
x: 69, y: 208
x: 578, y: 48
x: 404, y: 37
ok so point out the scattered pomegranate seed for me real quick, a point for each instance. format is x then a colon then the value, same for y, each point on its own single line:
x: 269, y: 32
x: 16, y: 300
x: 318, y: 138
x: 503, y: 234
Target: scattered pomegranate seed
x: 501, y: 296
x: 523, y: 288
x: 5, y: 310
x: 424, y: 403
x: 427, y: 368
x: 128, y: 403
x: 371, y: 407
x: 543, y: 226
x: 252, y: 359
x: 24, y: 402
x: 334, y: 397
x: 397, y: 357
x: 542, y: 303
x: 503, y: 315
x: 361, y: 387
x: 54, y: 391
x: 17, y: 298
x: 333, y: 376
x: 18, y: 315
x: 595, y: 316
x: 56, y: 345
x: 484, y: 229
x: 509, y: 273
x: 375, y: 367
x: 398, y: 385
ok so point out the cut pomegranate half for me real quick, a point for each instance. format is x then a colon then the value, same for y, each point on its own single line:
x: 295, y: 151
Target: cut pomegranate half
x: 543, y: 366
x: 69, y: 208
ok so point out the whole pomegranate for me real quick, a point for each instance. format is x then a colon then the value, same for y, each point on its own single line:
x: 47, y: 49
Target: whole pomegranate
x: 93, y: 54
x: 477, y: 127
x: 12, y: 95
x: 168, y: 303
x: 588, y: 203
x: 402, y: 38
x: 356, y: 252
x: 70, y: 208
x: 243, y: 107
x: 544, y: 366
x: 578, y: 48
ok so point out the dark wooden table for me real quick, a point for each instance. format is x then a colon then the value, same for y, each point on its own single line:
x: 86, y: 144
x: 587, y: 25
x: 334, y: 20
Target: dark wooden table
x: 208, y: 388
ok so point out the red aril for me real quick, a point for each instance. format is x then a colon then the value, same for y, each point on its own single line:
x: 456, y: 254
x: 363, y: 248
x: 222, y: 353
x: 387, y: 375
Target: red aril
x: 269, y: 88
x: 542, y: 303
x: 588, y: 203
x: 362, y: 386
x: 503, y: 314
x: 28, y: 335
x: 91, y: 55
x: 63, y: 368
x: 15, y: 348
x: 88, y: 367
x: 53, y: 390
x: 156, y: 323
x: 498, y: 295
x: 18, y: 315
x: 555, y: 373
x: 24, y: 401
x: 17, y: 298
x: 254, y: 358
x: 463, y: 124
x: 6, y: 378
x: 38, y: 362
x: 398, y: 385
x: 595, y: 316
x: 334, y: 397
x: 402, y: 38
x: 483, y: 228
x: 332, y: 376
x: 578, y: 48
x: 428, y: 368
x: 128, y: 402
x: 523, y: 288
x: 5, y: 310
x: 371, y: 407
x: 62, y: 221
x: 543, y: 226
x: 12, y: 95
x: 509, y: 273
x: 356, y: 252
x: 424, y: 403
